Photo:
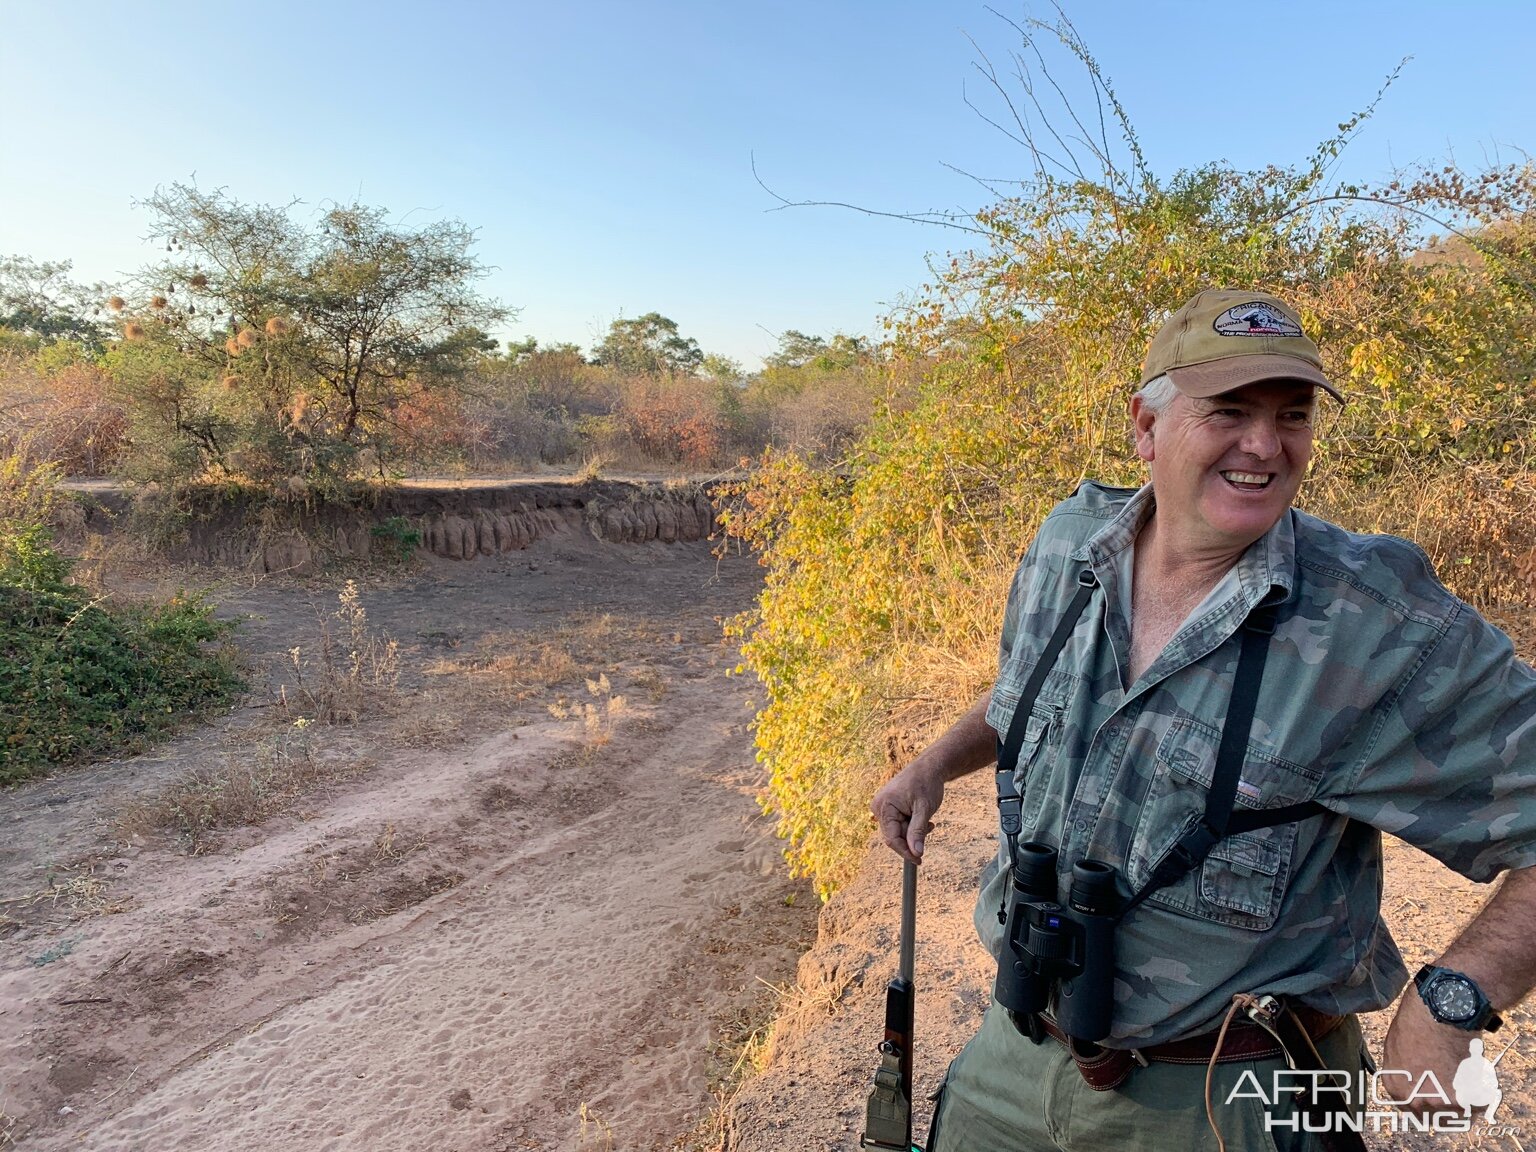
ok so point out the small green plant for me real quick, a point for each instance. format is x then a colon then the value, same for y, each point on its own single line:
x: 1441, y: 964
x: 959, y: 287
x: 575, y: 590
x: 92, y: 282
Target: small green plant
x: 80, y: 676
x: 396, y: 538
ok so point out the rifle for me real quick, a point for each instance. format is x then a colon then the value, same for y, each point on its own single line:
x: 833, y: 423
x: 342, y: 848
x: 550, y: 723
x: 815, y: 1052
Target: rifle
x: 888, y: 1116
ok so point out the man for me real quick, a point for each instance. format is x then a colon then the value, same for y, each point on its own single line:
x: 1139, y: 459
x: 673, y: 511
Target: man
x: 1383, y: 704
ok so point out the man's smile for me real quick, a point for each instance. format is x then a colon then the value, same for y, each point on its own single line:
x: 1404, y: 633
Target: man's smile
x: 1247, y: 481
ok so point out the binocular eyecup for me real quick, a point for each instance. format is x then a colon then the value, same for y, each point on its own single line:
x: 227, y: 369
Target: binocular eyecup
x: 1068, y: 950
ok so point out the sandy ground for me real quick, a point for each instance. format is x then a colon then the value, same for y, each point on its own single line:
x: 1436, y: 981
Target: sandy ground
x: 507, y: 914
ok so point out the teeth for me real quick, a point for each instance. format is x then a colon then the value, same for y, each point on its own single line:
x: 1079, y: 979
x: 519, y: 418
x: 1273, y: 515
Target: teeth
x: 1247, y: 477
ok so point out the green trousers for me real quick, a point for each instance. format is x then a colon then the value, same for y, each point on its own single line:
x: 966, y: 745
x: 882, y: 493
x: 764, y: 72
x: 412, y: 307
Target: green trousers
x: 1005, y: 1094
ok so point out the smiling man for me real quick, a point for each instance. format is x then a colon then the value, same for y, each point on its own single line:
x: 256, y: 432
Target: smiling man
x: 1222, y: 702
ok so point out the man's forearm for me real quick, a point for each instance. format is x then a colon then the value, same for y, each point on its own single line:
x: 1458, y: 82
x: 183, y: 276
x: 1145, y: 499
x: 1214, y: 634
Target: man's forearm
x: 966, y: 745
x: 1496, y: 948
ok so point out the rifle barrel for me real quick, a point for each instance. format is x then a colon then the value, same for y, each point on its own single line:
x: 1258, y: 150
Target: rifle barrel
x: 908, y: 919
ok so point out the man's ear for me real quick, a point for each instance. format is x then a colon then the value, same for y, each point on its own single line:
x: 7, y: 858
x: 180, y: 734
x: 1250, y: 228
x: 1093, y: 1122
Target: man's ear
x: 1142, y: 421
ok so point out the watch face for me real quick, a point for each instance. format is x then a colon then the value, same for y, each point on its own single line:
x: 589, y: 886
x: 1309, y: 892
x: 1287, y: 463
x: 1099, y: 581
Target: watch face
x: 1452, y: 998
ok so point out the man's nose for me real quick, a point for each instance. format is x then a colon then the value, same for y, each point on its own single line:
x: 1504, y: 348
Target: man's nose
x: 1261, y: 438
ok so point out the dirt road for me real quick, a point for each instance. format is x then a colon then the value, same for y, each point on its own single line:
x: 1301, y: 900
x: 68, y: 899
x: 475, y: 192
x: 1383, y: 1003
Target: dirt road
x: 507, y: 913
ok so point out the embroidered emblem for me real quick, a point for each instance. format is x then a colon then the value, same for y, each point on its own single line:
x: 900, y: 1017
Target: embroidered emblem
x: 1256, y: 319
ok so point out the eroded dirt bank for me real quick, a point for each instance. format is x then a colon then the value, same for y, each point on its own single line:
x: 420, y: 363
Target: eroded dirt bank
x: 455, y: 520
x: 509, y: 913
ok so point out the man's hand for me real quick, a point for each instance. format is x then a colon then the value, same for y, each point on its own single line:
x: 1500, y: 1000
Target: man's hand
x: 1418, y: 1043
x: 904, y: 808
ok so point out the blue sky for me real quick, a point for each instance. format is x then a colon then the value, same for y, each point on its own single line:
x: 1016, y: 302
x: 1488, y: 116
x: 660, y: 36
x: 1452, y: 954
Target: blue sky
x: 604, y: 150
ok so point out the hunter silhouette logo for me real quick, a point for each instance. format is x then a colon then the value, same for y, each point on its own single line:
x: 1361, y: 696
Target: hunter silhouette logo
x: 1256, y: 319
x: 1476, y: 1083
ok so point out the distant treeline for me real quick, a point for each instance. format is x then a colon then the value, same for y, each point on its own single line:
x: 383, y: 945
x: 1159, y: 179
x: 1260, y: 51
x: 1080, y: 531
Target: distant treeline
x: 286, y: 356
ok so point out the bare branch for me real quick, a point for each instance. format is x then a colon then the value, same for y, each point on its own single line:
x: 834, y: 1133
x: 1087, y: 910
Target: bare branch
x: 934, y: 217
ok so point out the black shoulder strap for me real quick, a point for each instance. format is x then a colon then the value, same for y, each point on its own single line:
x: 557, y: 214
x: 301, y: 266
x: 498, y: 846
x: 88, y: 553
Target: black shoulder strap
x: 1219, y: 820
x: 1009, y: 803
x: 1250, y: 819
x: 1008, y: 747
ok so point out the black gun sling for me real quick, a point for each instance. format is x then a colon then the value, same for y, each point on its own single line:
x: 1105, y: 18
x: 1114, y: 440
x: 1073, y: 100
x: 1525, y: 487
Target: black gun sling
x: 1219, y: 820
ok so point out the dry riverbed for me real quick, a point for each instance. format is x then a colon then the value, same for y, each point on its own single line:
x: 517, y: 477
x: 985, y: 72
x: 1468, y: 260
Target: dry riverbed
x: 528, y: 901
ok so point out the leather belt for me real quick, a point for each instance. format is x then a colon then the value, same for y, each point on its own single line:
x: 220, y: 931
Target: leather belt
x: 1107, y: 1068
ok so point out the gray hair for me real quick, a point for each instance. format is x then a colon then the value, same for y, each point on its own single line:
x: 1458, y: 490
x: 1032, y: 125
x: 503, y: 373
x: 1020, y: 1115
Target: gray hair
x: 1157, y: 393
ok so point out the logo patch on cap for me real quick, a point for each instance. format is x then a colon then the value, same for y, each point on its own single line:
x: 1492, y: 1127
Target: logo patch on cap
x: 1256, y: 319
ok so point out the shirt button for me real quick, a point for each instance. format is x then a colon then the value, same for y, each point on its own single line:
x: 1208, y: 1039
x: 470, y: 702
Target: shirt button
x: 1081, y: 826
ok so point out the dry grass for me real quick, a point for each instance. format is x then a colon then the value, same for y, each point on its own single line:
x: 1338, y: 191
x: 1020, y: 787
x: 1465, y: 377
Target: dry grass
x: 510, y: 676
x: 742, y: 1049
x: 81, y: 894
x: 356, y: 671
x: 389, y: 845
x: 799, y: 1007
x: 651, y: 682
x: 436, y: 718
x: 251, y: 784
x: 594, y: 1133
x: 509, y: 666
x: 597, y: 716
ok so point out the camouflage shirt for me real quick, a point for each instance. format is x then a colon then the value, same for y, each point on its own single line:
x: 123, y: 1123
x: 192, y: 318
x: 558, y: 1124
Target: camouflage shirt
x: 1385, y: 699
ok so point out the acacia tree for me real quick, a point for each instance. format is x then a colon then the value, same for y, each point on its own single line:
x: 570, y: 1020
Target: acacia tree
x: 797, y: 350
x: 39, y: 300
x: 315, y: 340
x: 649, y: 345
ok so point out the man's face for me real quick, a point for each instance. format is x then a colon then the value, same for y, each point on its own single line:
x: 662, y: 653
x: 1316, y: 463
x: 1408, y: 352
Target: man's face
x: 1225, y: 469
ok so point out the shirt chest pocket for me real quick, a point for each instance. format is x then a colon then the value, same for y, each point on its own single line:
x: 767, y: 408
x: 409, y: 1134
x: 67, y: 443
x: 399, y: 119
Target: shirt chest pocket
x: 1037, y: 756
x: 1243, y: 880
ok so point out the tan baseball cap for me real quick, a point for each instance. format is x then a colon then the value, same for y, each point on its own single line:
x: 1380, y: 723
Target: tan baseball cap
x: 1223, y: 339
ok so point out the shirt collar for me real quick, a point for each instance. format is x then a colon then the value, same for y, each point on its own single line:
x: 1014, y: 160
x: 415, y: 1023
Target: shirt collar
x: 1266, y: 572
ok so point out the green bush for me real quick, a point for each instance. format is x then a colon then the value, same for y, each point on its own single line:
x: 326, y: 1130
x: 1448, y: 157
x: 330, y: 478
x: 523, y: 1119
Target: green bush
x: 79, y: 678
x: 397, y: 538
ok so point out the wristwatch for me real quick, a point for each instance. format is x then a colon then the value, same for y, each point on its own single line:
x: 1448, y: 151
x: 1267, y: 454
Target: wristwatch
x: 1454, y: 998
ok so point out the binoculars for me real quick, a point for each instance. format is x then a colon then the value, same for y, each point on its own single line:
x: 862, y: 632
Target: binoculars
x: 1066, y: 950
